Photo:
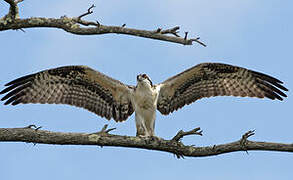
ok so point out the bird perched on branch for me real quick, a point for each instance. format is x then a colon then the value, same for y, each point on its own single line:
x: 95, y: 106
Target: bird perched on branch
x: 84, y: 87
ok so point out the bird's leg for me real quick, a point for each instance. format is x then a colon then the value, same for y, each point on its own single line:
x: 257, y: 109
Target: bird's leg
x: 145, y: 128
x: 141, y: 130
x: 150, y: 126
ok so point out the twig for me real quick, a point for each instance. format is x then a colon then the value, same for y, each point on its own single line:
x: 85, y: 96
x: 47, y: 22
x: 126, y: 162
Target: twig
x: 189, y: 41
x: 89, y: 11
x: 104, y: 130
x: 185, y: 36
x: 198, y: 41
x: 181, y: 134
x: 87, y: 23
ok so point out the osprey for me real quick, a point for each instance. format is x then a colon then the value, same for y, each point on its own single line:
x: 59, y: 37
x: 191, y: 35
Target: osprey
x: 84, y: 87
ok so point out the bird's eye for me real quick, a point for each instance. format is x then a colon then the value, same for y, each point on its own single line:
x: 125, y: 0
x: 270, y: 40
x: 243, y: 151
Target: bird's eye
x: 144, y: 76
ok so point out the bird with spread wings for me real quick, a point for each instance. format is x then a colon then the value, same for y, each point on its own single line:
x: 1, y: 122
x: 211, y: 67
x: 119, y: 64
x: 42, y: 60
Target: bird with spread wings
x: 84, y: 87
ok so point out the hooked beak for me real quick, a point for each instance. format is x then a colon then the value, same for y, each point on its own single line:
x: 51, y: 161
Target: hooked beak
x: 138, y: 78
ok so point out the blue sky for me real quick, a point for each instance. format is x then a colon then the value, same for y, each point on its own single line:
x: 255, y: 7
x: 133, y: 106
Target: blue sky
x: 252, y: 34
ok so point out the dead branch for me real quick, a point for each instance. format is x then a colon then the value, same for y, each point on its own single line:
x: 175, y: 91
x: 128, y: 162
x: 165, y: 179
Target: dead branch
x: 76, y: 25
x: 103, y: 138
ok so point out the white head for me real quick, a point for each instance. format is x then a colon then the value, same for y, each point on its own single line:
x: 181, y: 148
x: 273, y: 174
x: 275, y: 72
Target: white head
x: 143, y: 79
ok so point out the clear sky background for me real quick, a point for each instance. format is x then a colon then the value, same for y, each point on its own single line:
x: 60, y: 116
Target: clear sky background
x: 252, y: 34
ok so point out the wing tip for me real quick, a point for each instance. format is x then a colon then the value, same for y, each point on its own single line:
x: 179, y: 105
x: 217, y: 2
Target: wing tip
x: 272, y: 86
x: 14, y: 88
x: 20, y: 80
x: 274, y: 81
x: 14, y: 91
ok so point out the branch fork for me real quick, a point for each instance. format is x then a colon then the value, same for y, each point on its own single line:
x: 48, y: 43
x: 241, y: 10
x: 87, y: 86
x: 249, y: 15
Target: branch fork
x: 174, y: 31
x: 181, y: 134
x: 87, y: 23
x: 105, y: 130
x: 243, y: 141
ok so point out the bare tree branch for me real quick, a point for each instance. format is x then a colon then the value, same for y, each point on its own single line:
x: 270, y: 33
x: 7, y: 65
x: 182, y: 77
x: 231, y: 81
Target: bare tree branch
x: 103, y: 138
x: 75, y: 25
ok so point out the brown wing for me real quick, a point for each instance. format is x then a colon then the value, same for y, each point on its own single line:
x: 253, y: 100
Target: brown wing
x: 215, y: 79
x: 74, y: 85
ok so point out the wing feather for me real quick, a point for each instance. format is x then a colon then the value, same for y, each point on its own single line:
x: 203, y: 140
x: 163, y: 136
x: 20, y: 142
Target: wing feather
x: 79, y: 86
x: 216, y: 79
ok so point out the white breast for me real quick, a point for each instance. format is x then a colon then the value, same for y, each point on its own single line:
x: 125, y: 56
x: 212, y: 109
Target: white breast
x: 144, y: 99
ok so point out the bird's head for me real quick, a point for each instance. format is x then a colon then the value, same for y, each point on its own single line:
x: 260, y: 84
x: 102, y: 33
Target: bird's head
x: 143, y: 79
